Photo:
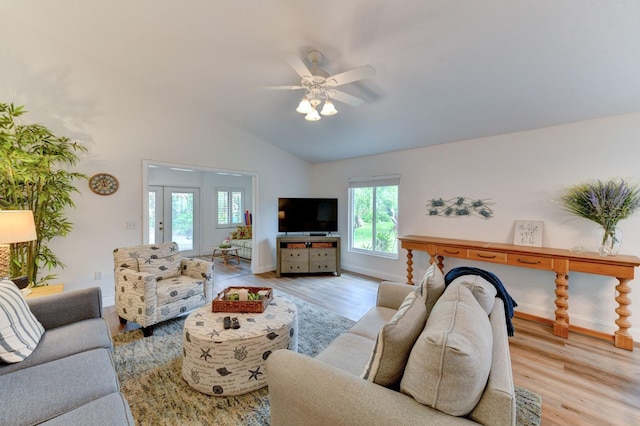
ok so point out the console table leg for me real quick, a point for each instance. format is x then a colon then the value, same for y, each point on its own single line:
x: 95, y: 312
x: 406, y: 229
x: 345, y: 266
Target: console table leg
x: 561, y: 324
x: 440, y: 262
x: 622, y: 338
x: 409, y: 266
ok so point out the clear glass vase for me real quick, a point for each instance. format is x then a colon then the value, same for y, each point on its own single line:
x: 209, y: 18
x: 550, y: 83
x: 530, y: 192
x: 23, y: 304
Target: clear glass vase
x: 608, y: 240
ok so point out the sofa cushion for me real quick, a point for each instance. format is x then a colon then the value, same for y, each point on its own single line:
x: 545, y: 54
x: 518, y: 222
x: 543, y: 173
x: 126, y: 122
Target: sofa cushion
x: 127, y: 257
x: 162, y: 267
x: 484, y: 292
x: 110, y: 410
x: 66, y: 340
x: 431, y: 287
x: 394, y: 342
x: 244, y: 232
x: 450, y: 362
x: 348, y: 352
x: 20, y: 331
x: 370, y: 324
x: 45, y: 391
x: 178, y: 288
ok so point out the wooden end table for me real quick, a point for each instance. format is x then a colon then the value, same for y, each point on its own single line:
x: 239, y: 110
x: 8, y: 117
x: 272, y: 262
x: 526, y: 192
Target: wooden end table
x: 45, y: 290
x: 225, y: 253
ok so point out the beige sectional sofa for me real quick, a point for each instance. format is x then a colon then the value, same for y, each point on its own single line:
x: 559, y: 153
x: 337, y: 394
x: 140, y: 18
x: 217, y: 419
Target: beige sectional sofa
x: 422, y: 355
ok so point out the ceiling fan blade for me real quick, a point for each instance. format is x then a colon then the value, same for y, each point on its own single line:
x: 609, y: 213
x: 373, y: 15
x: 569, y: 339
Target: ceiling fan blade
x: 282, y: 87
x: 345, y: 98
x: 355, y: 74
x: 298, y: 66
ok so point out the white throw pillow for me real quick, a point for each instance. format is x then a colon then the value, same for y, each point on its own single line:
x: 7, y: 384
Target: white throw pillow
x: 394, y: 343
x: 431, y: 287
x: 161, y: 267
x: 450, y: 362
x: 20, y: 331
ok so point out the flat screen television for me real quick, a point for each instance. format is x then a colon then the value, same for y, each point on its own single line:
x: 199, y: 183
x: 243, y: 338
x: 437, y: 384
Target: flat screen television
x: 313, y: 215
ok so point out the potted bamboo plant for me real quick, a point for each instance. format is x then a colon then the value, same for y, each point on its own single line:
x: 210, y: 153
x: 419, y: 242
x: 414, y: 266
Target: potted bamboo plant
x: 35, y: 174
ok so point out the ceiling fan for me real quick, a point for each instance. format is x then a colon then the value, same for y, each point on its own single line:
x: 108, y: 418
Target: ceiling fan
x: 319, y: 85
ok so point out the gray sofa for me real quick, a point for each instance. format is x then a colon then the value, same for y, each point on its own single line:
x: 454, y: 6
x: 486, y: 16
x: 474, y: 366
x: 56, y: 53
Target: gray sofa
x: 332, y: 388
x: 69, y: 379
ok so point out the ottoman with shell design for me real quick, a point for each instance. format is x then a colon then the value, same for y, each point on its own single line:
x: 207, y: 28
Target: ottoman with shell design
x: 232, y: 362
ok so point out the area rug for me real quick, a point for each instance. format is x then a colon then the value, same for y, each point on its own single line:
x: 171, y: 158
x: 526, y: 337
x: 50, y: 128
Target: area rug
x: 149, y: 370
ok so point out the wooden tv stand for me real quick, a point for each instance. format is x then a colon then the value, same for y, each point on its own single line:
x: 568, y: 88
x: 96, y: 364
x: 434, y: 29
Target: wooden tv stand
x: 304, y: 254
x: 559, y: 261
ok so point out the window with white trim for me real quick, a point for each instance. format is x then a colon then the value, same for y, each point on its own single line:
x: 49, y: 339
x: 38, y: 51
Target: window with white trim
x: 230, y: 207
x: 373, y: 215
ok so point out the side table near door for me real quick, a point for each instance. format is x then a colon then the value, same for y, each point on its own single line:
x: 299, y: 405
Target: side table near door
x: 226, y: 253
x: 45, y: 290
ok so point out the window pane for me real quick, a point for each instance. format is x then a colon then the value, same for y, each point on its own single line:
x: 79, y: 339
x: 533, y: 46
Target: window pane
x: 362, y: 221
x: 374, y: 225
x: 386, y: 214
x: 236, y: 208
x: 223, y: 208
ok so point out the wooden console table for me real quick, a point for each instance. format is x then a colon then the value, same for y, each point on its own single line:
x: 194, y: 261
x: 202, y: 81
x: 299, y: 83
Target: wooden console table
x: 559, y: 261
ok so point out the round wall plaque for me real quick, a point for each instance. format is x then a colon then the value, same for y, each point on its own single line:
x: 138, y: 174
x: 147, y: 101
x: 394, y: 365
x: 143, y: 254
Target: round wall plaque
x: 103, y: 184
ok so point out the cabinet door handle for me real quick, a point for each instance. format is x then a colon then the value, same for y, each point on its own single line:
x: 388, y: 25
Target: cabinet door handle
x: 529, y: 262
x: 486, y: 256
x: 451, y: 251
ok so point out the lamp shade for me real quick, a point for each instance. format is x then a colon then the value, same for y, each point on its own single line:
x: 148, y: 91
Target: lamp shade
x: 313, y: 115
x: 328, y: 108
x: 304, y: 107
x: 17, y: 226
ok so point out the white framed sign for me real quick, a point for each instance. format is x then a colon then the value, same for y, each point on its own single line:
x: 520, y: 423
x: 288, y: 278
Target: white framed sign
x: 528, y: 233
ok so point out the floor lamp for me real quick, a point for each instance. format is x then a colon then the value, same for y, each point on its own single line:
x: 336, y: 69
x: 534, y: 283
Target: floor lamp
x: 16, y: 226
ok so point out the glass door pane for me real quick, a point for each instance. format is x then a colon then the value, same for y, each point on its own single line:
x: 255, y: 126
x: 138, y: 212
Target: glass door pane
x: 181, y: 219
x: 155, y: 214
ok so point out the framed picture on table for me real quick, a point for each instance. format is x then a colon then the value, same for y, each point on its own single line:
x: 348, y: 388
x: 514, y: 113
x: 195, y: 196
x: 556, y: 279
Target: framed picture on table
x: 528, y: 233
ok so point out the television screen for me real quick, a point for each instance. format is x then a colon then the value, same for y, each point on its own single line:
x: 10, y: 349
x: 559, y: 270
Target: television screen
x: 308, y: 215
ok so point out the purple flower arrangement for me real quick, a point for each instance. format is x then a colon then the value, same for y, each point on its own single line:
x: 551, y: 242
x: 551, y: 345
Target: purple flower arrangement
x: 605, y: 203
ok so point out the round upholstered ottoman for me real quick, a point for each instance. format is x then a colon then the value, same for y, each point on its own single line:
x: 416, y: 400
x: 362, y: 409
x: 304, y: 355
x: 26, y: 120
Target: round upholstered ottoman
x: 232, y: 362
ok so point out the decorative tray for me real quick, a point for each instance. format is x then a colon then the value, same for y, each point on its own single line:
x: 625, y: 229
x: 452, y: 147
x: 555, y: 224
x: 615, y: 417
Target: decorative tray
x: 224, y: 301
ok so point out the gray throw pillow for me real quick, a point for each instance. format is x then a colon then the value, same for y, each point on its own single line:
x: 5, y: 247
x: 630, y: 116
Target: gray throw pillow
x: 450, y: 362
x: 394, y: 342
x: 484, y: 292
x: 431, y: 286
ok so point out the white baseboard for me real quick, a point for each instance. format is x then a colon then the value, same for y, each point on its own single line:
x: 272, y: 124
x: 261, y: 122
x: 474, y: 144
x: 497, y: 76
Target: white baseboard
x: 383, y: 276
x: 108, y: 301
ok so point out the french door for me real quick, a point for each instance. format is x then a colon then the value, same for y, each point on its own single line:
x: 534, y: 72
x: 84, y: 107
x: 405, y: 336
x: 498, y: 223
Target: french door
x: 174, y: 215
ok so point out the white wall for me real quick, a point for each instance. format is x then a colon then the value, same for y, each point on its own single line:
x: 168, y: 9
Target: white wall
x: 523, y: 174
x: 123, y: 122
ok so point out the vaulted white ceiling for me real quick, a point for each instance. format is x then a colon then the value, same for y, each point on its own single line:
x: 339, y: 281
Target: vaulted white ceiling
x: 447, y: 70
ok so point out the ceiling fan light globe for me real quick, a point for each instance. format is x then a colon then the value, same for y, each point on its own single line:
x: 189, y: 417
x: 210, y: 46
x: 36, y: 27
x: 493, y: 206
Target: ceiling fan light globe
x: 313, y: 116
x: 328, y: 108
x: 304, y: 107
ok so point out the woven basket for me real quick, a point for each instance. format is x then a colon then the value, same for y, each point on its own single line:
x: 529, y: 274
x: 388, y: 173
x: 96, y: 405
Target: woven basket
x: 220, y: 304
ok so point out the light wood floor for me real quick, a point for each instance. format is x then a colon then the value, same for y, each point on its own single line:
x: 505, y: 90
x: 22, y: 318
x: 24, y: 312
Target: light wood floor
x: 582, y: 380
